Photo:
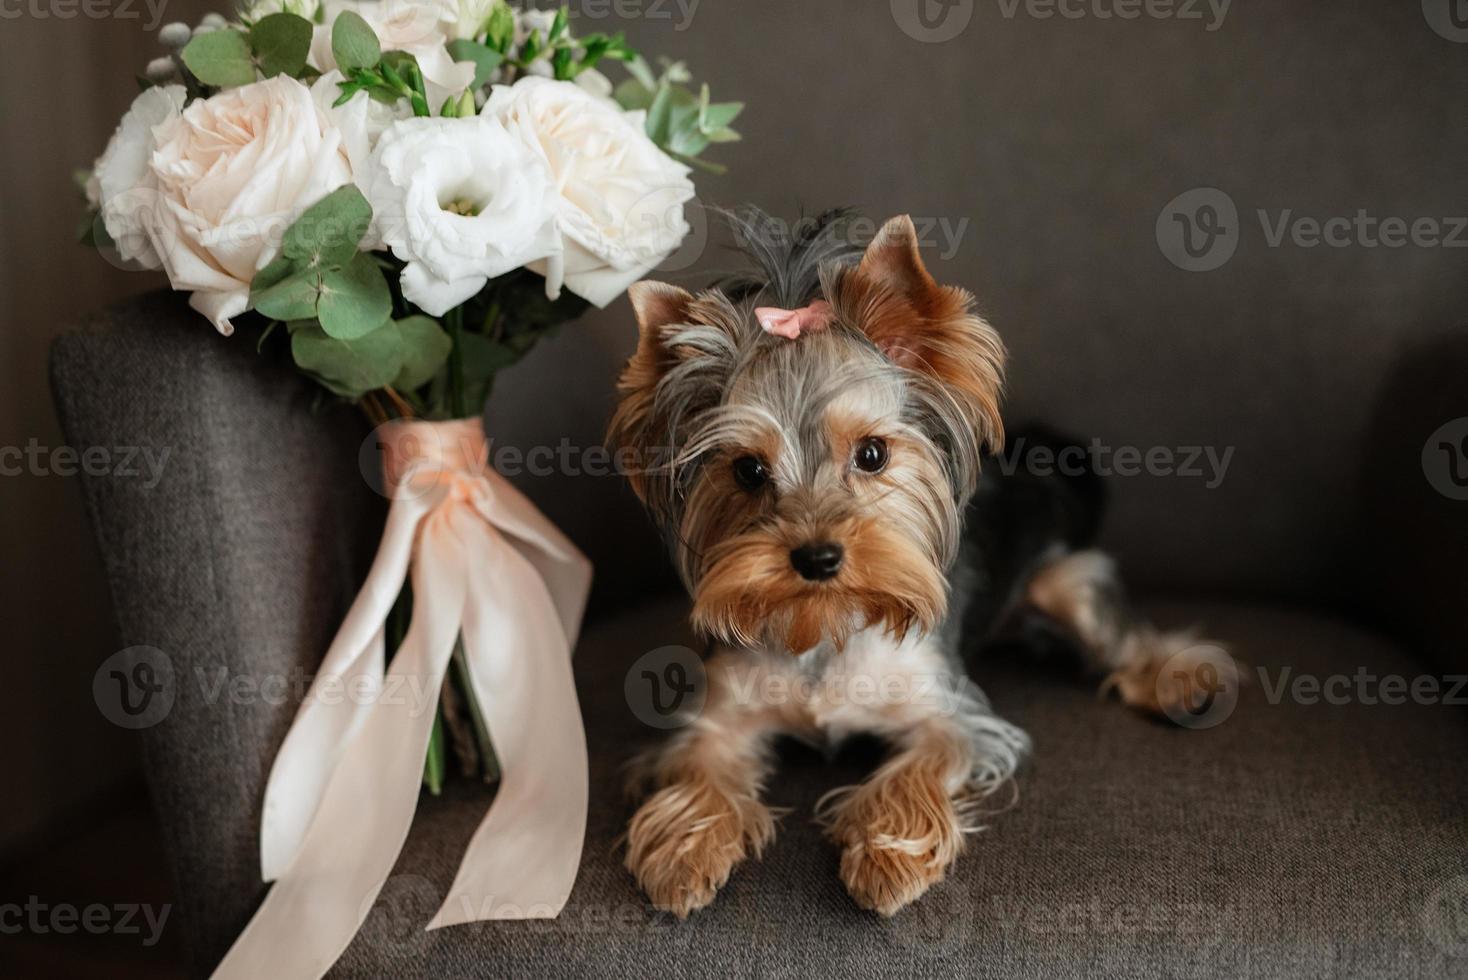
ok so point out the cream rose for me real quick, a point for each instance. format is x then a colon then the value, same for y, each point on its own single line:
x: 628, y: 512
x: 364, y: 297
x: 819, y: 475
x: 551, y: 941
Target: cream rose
x: 619, y: 207
x: 227, y: 176
x: 460, y: 201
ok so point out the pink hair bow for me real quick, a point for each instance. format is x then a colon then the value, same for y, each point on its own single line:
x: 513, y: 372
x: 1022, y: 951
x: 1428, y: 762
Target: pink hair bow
x: 789, y: 323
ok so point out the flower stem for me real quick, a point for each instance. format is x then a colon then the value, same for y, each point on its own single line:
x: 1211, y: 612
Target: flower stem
x: 457, y: 403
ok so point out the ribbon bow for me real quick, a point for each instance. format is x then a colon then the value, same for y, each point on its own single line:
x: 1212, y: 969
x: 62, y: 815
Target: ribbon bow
x: 487, y: 566
x: 789, y: 323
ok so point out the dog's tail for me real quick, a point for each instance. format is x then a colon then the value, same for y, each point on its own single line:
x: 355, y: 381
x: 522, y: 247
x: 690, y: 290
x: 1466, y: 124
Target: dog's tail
x: 1033, y: 528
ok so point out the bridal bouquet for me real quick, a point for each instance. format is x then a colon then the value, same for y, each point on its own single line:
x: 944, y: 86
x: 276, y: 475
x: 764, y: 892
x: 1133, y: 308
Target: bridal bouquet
x: 407, y: 195
x: 416, y: 189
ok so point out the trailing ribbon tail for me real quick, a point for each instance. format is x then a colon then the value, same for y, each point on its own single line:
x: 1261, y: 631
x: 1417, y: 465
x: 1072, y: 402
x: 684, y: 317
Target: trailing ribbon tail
x: 486, y: 565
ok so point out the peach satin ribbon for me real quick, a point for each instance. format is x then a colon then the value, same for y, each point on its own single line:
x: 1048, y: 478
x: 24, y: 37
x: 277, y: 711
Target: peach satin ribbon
x: 486, y: 565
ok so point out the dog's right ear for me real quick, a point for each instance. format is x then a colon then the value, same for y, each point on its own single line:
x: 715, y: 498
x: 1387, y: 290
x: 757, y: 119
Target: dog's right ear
x: 661, y: 310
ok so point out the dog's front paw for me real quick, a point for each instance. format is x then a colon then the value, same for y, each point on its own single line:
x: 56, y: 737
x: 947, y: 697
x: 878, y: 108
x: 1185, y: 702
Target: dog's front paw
x: 683, y: 842
x: 899, y: 832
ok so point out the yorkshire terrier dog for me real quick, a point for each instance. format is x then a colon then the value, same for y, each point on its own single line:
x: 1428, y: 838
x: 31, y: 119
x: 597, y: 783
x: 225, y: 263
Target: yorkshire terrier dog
x: 823, y: 422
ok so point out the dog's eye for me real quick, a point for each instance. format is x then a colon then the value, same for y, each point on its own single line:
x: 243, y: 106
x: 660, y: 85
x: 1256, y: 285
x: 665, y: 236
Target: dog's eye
x: 870, y: 455
x: 750, y: 472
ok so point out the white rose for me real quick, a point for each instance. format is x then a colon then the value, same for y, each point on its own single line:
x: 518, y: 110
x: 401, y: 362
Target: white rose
x: 261, y: 9
x: 228, y: 176
x: 590, y: 79
x: 467, y: 19
x: 619, y: 210
x: 460, y: 201
x: 120, y: 177
x: 414, y: 26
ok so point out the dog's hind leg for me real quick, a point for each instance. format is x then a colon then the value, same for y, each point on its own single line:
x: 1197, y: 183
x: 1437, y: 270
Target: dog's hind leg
x: 1161, y: 673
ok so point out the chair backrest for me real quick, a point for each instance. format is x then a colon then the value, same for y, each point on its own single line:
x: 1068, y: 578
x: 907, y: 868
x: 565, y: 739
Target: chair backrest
x: 1040, y: 145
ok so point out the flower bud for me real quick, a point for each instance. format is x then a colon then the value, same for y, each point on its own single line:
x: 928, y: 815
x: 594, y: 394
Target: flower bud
x: 160, y: 70
x: 174, y: 36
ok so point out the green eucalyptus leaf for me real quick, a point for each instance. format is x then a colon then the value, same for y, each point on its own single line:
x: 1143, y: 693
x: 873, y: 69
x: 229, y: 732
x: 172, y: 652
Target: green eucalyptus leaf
x: 350, y: 368
x: 220, y: 58
x: 485, y: 59
x: 353, y: 42
x: 632, y: 95
x: 355, y: 301
x: 659, y: 116
x: 425, y: 347
x: 719, y: 115
x: 282, y: 291
x: 688, y: 142
x: 281, y: 42
x: 327, y: 233
x: 641, y: 72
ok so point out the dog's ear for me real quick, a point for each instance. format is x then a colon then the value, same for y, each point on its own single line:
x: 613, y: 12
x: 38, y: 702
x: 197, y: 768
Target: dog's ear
x: 923, y: 326
x: 685, y: 348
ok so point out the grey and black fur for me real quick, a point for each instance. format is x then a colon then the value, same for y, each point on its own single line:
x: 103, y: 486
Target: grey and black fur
x: 826, y: 505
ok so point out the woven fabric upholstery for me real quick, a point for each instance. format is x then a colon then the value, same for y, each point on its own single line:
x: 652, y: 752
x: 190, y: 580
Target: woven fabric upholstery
x: 1289, y: 841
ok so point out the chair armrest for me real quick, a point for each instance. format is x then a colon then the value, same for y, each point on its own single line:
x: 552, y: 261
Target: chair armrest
x: 237, y: 565
x: 1415, y: 564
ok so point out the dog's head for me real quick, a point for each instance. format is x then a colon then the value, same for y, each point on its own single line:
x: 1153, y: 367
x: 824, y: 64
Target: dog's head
x: 813, y: 486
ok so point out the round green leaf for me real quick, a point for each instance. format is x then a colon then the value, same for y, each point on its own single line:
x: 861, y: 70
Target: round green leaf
x: 425, y: 346
x: 353, y: 43
x: 283, y: 292
x: 355, y: 301
x: 220, y: 58
x: 327, y: 233
x: 281, y: 42
x: 350, y: 368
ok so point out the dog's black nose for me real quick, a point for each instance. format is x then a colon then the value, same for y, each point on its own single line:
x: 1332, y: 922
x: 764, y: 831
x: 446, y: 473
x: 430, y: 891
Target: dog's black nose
x: 817, y: 561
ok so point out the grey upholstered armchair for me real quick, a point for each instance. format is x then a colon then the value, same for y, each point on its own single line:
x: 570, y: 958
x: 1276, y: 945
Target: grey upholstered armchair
x: 1298, y: 838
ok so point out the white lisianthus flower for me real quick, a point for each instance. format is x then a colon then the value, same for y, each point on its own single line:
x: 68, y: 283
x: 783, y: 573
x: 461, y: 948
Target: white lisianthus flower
x: 121, y: 185
x: 619, y: 206
x: 460, y: 201
x: 414, y: 26
x: 227, y: 177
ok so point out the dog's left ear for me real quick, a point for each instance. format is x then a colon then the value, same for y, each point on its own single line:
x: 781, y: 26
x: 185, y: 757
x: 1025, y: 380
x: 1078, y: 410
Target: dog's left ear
x: 923, y: 326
